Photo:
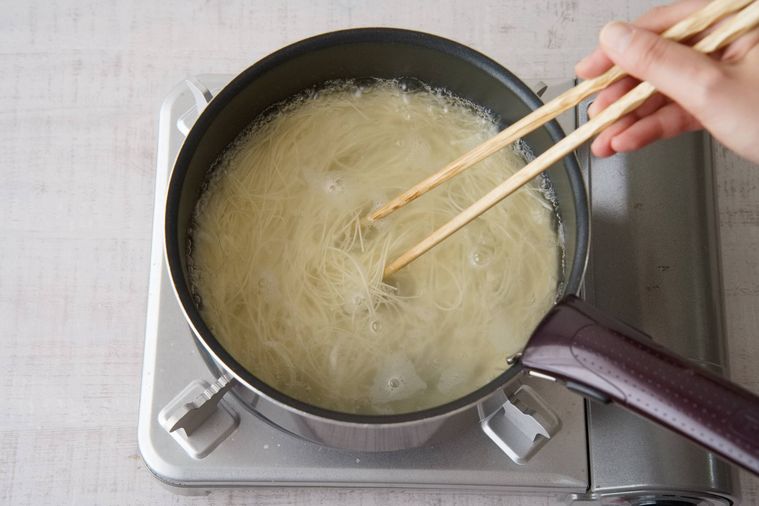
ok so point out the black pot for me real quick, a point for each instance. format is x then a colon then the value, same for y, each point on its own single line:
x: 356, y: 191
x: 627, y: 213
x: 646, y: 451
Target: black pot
x: 360, y: 53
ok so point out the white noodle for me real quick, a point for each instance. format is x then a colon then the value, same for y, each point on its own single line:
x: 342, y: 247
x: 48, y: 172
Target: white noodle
x: 290, y: 273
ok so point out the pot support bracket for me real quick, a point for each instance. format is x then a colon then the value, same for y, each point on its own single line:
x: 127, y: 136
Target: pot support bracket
x: 197, y: 419
x: 520, y: 423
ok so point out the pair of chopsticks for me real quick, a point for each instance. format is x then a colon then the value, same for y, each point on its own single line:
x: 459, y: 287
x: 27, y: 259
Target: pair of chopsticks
x: 727, y: 32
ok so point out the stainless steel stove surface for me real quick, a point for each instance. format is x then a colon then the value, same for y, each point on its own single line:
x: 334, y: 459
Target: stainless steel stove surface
x: 600, y: 453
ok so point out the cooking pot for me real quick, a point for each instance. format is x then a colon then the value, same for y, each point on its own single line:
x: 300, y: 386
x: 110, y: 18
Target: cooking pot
x: 575, y: 344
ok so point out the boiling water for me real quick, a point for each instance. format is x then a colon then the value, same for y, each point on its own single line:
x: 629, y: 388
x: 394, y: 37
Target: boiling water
x: 289, y: 272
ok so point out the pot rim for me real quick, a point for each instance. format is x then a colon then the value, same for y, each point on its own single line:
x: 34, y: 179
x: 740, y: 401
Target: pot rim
x: 173, y: 251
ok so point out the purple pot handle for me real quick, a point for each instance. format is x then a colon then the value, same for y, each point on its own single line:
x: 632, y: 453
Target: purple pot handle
x: 606, y: 359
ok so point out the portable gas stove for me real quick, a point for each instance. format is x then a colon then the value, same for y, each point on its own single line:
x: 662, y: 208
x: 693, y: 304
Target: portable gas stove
x: 658, y: 270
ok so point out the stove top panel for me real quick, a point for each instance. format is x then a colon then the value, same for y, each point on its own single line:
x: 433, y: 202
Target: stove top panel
x: 257, y: 454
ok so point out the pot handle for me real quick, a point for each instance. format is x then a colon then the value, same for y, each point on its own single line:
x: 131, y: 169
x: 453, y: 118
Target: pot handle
x: 606, y: 359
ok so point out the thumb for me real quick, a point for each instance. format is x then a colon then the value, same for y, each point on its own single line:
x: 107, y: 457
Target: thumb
x: 680, y: 72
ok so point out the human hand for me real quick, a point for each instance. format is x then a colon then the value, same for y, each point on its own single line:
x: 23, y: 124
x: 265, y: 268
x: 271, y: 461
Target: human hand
x: 719, y: 93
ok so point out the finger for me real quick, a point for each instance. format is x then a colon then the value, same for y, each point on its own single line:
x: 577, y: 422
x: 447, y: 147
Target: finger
x: 690, y: 41
x: 611, y: 94
x: 604, y: 145
x: 593, y: 65
x: 657, y: 20
x: 601, y: 146
x: 751, y: 58
x: 669, y: 121
x: 738, y: 49
x: 679, y: 72
x: 660, y: 18
x: 650, y: 105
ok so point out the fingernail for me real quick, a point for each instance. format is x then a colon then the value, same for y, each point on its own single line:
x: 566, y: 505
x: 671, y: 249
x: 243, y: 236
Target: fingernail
x: 595, y: 147
x: 592, y: 110
x: 616, y: 36
x: 580, y: 64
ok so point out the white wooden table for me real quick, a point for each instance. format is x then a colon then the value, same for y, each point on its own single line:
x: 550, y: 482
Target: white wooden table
x: 80, y: 87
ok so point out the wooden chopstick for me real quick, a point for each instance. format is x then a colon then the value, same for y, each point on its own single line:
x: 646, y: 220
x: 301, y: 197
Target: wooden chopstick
x: 693, y: 24
x: 728, y: 31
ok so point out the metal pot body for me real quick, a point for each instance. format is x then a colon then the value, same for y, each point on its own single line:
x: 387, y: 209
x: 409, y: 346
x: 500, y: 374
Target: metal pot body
x: 357, y: 54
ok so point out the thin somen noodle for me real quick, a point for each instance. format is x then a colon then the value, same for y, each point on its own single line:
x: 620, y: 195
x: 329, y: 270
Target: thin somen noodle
x: 288, y: 272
